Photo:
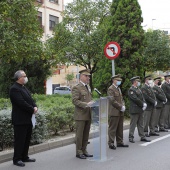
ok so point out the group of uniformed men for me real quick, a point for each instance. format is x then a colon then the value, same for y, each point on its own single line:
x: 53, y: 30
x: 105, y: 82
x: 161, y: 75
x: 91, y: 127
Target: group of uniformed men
x: 149, y: 110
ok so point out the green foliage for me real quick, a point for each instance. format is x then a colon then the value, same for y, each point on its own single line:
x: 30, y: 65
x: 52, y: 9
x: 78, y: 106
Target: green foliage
x: 69, y: 77
x: 78, y: 39
x: 55, y: 115
x: 40, y: 132
x: 59, y: 112
x: 21, y: 46
x: 6, y: 130
x: 124, y: 27
x: 156, y: 53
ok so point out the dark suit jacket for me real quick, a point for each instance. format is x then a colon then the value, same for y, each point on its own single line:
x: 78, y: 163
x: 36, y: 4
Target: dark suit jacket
x: 115, y: 101
x: 80, y: 97
x: 149, y: 96
x: 166, y: 89
x: 136, y: 100
x: 160, y: 96
x: 22, y: 105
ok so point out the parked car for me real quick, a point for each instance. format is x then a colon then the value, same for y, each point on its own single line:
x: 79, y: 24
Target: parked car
x: 62, y: 90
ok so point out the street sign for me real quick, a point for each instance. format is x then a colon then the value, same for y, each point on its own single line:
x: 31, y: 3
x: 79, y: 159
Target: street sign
x: 112, y: 50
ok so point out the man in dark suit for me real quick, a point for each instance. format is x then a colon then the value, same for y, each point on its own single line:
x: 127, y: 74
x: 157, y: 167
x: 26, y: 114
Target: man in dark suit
x: 166, y: 89
x: 82, y: 99
x: 116, y: 113
x: 159, y: 118
x: 150, y: 109
x: 23, y: 107
x: 136, y: 109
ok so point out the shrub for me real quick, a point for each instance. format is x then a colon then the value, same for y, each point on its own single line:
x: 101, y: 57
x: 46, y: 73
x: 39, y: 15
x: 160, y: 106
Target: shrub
x: 6, y: 129
x: 55, y: 113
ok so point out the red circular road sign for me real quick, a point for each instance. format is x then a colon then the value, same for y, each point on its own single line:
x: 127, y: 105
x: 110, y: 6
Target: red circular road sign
x: 112, y: 50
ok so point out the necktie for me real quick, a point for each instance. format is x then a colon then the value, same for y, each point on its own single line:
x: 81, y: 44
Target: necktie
x: 86, y: 87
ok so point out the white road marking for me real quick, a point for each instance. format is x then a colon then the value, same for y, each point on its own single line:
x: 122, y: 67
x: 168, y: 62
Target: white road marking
x: 155, y: 140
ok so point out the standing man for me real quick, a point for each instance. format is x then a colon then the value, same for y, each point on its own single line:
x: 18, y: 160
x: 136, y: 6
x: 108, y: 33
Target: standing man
x: 23, y: 107
x: 158, y: 119
x: 166, y: 89
x: 136, y: 109
x: 116, y: 113
x: 151, y: 102
x: 82, y: 99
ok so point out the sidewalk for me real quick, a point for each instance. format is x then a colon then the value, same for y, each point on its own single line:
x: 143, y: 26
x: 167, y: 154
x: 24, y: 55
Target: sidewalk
x: 51, y: 144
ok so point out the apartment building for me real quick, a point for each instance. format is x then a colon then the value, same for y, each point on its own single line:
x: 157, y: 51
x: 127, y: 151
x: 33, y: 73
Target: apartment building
x: 49, y: 14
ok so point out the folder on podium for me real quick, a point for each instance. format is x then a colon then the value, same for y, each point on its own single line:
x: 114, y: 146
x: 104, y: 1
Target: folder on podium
x: 100, y: 123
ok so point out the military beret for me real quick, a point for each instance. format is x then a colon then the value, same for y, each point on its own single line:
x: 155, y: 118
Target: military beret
x: 135, y: 78
x: 117, y: 77
x: 167, y: 75
x: 148, y: 77
x: 85, y: 72
x: 157, y: 78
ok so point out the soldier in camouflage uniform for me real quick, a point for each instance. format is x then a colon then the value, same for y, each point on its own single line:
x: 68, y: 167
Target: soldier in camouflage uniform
x: 166, y: 89
x: 116, y: 113
x: 136, y: 109
x: 159, y: 118
x: 151, y: 102
x: 82, y: 99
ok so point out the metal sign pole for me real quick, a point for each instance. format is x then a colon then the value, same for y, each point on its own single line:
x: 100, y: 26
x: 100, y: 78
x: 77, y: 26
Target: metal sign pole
x: 113, y: 68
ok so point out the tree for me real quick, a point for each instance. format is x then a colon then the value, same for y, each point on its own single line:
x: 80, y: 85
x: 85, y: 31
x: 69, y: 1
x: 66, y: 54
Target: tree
x: 125, y: 28
x: 21, y: 46
x: 80, y: 38
x: 69, y: 77
x: 156, y: 53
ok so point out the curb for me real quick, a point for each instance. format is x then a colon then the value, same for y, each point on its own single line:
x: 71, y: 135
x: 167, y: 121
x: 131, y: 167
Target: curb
x: 7, y: 156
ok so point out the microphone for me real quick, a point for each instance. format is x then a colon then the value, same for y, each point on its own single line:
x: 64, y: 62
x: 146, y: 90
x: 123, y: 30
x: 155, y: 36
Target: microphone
x: 97, y: 91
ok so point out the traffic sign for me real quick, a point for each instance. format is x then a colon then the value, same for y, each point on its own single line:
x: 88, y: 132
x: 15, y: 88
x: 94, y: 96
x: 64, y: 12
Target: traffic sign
x: 112, y: 50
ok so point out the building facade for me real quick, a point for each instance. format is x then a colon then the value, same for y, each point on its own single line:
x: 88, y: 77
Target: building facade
x: 49, y: 14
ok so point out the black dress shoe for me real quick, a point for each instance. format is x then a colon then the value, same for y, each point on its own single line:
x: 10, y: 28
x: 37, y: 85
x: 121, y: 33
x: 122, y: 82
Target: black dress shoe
x: 122, y: 145
x: 19, y: 163
x: 163, y: 130
x: 81, y: 156
x: 88, y: 142
x: 145, y: 140
x: 147, y: 135
x: 29, y: 160
x: 154, y: 134
x: 87, y: 155
x: 112, y: 147
x: 131, y: 140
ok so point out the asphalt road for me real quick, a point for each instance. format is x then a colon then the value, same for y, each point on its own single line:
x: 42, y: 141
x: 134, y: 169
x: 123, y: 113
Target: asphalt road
x: 139, y: 156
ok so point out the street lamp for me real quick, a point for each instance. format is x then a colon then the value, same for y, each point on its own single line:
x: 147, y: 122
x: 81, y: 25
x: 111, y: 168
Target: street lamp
x: 152, y: 22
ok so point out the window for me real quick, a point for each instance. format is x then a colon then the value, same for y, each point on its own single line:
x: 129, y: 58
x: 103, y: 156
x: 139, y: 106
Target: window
x: 40, y: 18
x: 40, y: 1
x: 54, y: 1
x: 53, y: 20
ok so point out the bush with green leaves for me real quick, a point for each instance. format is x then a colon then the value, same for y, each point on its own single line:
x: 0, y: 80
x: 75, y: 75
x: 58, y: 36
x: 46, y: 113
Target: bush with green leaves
x: 55, y: 115
x: 59, y: 112
x: 6, y: 130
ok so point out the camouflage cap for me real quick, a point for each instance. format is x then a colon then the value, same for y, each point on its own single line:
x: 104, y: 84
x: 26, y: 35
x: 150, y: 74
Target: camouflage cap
x: 117, y: 77
x: 157, y: 78
x: 167, y: 75
x: 85, y: 72
x: 135, y: 78
x: 148, y: 77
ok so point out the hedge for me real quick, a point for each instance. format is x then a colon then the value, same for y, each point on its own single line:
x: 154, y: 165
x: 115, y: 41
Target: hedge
x: 55, y: 115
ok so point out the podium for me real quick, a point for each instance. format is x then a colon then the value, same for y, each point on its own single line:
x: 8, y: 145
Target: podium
x: 100, y: 123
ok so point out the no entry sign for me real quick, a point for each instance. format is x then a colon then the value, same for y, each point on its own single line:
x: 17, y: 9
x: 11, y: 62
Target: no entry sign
x: 112, y: 50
